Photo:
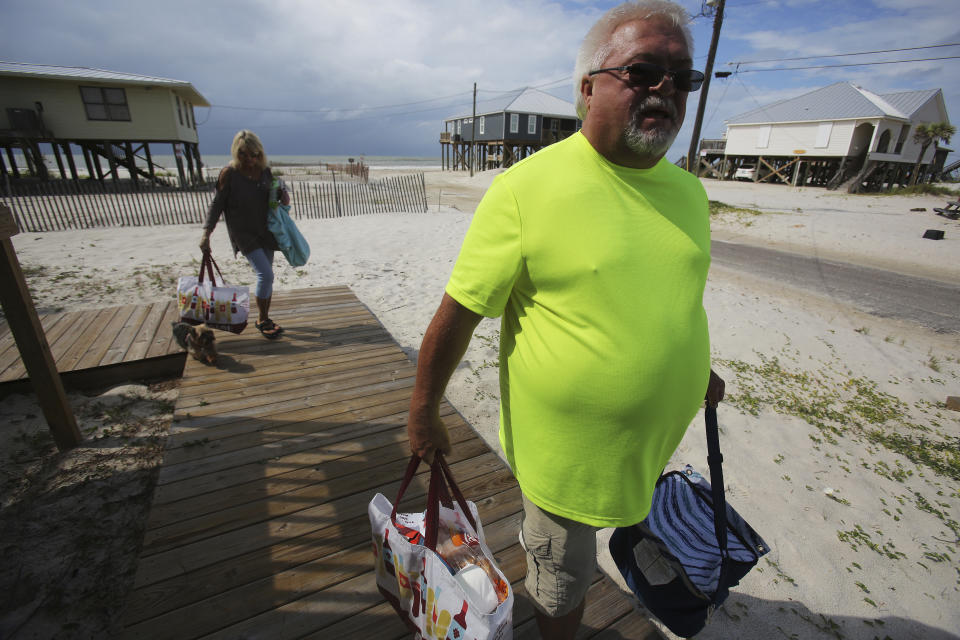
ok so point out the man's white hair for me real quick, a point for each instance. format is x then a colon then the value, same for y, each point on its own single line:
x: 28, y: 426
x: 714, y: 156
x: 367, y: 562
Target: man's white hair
x: 596, y: 45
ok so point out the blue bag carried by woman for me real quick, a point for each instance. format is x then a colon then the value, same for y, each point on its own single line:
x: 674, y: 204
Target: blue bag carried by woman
x: 291, y: 242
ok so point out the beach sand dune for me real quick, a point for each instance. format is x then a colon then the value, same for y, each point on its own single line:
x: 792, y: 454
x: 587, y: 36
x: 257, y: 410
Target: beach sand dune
x: 838, y: 447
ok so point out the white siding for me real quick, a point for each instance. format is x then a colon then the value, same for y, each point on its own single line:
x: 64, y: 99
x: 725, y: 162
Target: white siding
x: 929, y: 113
x: 893, y: 126
x: 788, y: 139
x: 153, y: 113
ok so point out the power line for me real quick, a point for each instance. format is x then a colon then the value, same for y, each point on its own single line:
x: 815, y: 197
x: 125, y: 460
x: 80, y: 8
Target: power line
x: 840, y: 55
x: 857, y: 64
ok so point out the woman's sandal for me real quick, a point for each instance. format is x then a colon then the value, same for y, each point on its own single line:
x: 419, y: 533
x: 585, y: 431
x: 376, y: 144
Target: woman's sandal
x: 269, y: 329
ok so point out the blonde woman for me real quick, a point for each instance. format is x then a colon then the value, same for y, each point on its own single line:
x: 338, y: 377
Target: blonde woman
x: 243, y: 192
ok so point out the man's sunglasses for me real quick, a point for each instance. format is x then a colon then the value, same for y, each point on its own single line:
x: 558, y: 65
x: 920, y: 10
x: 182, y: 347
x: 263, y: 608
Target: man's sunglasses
x: 644, y: 74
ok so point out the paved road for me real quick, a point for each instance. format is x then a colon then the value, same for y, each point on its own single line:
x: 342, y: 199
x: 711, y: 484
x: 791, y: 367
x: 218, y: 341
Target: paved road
x: 933, y: 304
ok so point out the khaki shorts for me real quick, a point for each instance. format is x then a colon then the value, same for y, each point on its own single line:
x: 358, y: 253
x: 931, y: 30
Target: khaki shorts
x: 561, y: 559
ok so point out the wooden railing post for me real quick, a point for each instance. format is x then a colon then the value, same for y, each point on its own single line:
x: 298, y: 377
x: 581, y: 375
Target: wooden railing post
x: 31, y: 342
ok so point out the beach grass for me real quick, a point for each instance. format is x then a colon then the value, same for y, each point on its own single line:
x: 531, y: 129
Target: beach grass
x: 920, y: 190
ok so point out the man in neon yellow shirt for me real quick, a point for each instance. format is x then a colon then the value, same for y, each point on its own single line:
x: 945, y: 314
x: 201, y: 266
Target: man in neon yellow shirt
x: 595, y: 251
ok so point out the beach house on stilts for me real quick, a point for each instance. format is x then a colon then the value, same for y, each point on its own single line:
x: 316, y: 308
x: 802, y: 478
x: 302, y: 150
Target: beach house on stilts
x: 839, y: 136
x: 110, y: 118
x: 506, y: 129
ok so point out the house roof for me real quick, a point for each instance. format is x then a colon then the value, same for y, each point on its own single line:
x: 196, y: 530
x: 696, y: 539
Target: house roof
x: 526, y: 100
x: 909, y: 101
x: 838, y: 101
x: 51, y: 72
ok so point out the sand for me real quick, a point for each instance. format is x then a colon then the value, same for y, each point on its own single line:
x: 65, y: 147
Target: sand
x: 838, y: 447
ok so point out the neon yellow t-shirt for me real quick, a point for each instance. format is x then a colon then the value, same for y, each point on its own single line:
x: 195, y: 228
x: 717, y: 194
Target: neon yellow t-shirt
x: 598, y: 271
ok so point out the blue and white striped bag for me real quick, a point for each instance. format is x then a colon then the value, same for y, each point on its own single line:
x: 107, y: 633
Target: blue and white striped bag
x: 682, y: 560
x: 683, y: 520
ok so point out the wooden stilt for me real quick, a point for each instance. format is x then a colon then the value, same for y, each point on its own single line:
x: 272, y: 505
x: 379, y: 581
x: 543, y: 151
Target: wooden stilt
x: 68, y: 152
x: 28, y: 333
x: 13, y: 163
x: 59, y: 160
x: 131, y: 162
x: 146, y: 152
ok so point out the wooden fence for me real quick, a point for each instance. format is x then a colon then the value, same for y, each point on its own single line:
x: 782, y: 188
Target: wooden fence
x: 63, y: 204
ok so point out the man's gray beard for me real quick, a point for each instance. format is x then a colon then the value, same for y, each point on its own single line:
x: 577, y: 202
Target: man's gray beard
x: 649, y: 143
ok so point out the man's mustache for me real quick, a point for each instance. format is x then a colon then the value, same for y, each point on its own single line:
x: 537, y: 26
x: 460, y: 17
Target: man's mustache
x: 655, y: 103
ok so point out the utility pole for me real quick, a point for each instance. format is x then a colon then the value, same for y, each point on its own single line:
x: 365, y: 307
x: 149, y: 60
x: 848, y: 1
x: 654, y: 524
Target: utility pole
x: 473, y: 129
x: 693, y: 159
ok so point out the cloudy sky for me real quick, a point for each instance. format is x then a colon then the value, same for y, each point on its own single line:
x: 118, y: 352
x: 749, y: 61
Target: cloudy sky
x: 348, y: 77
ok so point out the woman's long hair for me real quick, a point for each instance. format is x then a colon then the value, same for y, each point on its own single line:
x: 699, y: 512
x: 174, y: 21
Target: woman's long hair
x: 247, y: 141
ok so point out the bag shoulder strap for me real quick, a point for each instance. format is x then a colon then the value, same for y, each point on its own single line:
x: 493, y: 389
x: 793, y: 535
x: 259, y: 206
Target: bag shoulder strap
x: 715, y: 461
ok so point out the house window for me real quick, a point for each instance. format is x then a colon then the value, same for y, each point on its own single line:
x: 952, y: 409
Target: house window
x: 823, y: 134
x: 483, y: 124
x: 179, y: 112
x: 884, y: 143
x: 105, y: 103
x: 904, y: 130
x: 459, y: 127
x: 531, y: 123
x: 763, y: 137
x: 514, y: 122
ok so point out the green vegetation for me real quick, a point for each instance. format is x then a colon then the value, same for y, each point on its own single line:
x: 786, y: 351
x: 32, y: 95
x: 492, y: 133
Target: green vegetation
x: 841, y: 405
x: 923, y: 189
x: 717, y: 207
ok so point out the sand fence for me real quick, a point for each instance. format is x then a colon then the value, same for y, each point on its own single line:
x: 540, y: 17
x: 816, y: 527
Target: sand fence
x: 86, y: 204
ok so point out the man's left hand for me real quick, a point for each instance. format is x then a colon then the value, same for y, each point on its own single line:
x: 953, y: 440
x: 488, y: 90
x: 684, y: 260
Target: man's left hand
x: 714, y: 389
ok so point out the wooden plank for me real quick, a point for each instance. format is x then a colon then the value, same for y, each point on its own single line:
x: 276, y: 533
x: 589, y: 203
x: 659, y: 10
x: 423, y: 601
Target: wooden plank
x: 85, y: 339
x: 228, y: 422
x: 391, y: 445
x: 311, y: 454
x: 102, y: 341
x: 315, y: 360
x: 118, y: 349
x: 297, y: 378
x: 305, y: 564
x: 291, y: 410
x: 217, y: 462
x: 185, y: 526
x: 261, y: 523
x: 170, y: 562
x: 59, y: 339
x: 164, y: 341
x: 47, y: 321
x: 147, y: 331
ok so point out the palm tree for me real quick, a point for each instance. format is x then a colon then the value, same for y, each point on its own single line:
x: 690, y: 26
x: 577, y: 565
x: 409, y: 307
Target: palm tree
x: 925, y: 135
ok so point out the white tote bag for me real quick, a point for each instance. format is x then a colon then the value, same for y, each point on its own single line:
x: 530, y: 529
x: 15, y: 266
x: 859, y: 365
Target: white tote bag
x: 201, y: 299
x: 417, y: 581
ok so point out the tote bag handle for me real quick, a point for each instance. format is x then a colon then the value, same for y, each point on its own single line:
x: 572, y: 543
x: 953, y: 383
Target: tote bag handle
x: 440, y: 479
x: 207, y: 265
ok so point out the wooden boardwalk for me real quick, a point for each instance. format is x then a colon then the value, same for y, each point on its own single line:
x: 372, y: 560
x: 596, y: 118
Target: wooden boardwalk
x: 101, y: 345
x: 258, y: 526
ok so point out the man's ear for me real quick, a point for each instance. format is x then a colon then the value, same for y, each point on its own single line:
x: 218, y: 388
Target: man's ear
x: 586, y: 90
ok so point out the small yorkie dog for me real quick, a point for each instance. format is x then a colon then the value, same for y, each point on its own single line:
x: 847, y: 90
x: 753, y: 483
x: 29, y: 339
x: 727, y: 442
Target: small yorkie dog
x: 197, y: 340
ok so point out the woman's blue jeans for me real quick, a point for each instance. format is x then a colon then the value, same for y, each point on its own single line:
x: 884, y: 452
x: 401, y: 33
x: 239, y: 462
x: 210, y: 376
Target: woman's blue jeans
x: 262, y: 262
